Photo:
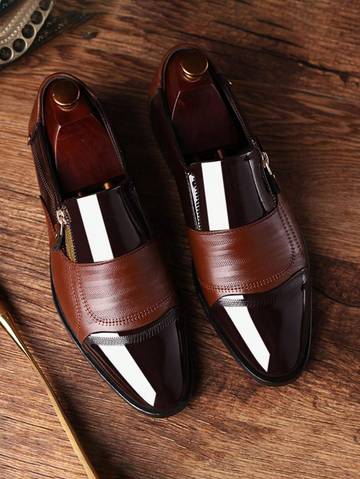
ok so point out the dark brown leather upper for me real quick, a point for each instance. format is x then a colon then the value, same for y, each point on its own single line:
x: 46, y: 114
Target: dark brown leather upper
x: 252, y: 258
x: 121, y: 311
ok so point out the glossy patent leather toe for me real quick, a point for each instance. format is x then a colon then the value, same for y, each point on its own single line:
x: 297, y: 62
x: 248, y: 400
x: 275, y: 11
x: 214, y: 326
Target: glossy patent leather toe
x: 268, y: 333
x: 150, y: 371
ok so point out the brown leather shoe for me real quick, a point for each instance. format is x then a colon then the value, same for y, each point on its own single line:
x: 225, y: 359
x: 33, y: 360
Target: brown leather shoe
x: 109, y: 283
x: 249, y: 259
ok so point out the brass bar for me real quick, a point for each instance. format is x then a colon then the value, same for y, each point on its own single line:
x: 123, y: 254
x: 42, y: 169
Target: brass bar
x: 8, y: 323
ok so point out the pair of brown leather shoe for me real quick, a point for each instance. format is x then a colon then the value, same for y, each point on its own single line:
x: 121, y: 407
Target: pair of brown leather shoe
x: 109, y: 283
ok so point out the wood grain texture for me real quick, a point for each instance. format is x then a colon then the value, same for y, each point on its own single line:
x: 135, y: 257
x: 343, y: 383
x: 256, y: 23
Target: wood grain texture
x: 295, y: 68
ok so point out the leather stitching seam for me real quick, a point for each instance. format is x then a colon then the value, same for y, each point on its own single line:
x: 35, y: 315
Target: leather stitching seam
x: 76, y: 301
x: 126, y: 319
x: 293, y: 231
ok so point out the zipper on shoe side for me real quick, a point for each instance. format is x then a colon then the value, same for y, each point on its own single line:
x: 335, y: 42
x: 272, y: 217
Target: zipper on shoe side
x: 194, y: 190
x: 266, y: 162
x: 69, y: 244
x: 34, y: 140
x: 61, y: 216
x: 43, y: 179
x: 61, y: 213
x: 274, y: 187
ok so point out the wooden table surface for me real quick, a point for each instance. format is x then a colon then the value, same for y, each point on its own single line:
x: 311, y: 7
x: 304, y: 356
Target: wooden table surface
x: 295, y: 67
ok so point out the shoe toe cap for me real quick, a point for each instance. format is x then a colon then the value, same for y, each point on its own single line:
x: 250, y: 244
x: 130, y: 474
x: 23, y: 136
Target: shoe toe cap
x: 268, y: 333
x: 150, y: 370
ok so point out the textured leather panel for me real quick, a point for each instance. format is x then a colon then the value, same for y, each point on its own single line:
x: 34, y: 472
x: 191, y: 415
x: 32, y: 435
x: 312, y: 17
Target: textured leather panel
x: 111, y: 296
x: 120, y: 295
x: 250, y: 259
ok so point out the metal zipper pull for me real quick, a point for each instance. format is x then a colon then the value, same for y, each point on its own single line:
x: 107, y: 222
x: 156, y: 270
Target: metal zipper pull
x: 270, y: 175
x: 62, y: 218
x: 266, y: 162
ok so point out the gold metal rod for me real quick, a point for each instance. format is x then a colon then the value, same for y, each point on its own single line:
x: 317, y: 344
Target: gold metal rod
x: 8, y: 323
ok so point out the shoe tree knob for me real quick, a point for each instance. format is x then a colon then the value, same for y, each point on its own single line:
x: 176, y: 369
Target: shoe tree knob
x: 194, y: 64
x: 65, y: 93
